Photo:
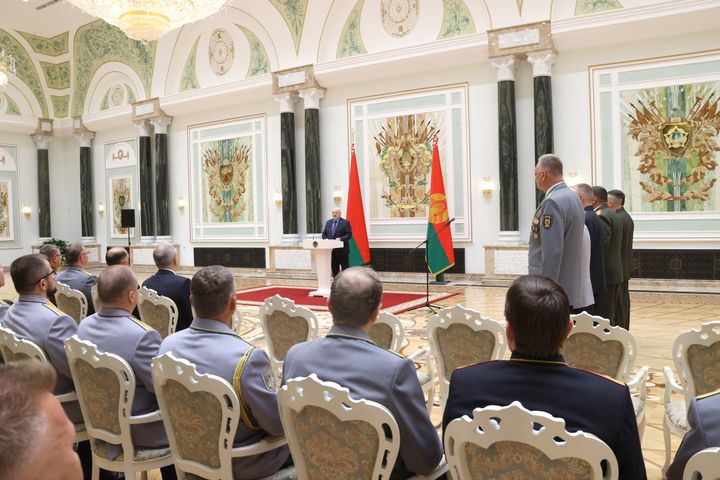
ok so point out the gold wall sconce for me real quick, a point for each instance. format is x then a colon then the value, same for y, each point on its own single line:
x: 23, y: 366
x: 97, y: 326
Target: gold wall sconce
x: 278, y: 198
x: 487, y: 186
x: 27, y: 210
x: 181, y: 203
x: 337, y: 194
x: 573, y: 179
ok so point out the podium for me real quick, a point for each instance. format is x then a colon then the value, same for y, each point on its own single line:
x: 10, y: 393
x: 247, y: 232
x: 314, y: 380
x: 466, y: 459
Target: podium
x: 322, y: 249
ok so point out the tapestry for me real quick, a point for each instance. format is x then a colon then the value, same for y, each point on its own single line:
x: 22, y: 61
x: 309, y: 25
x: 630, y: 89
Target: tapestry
x: 6, y: 232
x: 122, y: 198
x: 10, y: 235
x: 225, y: 167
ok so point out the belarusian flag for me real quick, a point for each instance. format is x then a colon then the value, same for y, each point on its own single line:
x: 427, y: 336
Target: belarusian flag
x: 439, y: 253
x: 359, y: 248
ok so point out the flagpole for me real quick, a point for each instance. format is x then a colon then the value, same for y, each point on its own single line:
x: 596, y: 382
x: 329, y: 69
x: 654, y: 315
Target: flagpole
x: 427, y: 303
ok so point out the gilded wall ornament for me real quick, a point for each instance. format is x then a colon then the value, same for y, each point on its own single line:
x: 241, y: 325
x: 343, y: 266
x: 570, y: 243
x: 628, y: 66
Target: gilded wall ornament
x: 399, y: 16
x: 226, y: 165
x: 117, y: 96
x: 221, y: 51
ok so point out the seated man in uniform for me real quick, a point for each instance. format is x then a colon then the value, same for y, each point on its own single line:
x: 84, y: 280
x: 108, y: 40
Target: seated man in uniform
x: 538, y: 321
x: 113, y: 329
x: 348, y: 357
x: 54, y: 257
x: 117, y: 256
x: 215, y: 349
x: 75, y: 275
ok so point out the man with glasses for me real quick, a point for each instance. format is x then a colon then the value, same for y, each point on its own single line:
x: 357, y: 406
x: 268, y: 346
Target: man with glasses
x: 54, y: 257
x: 75, y: 275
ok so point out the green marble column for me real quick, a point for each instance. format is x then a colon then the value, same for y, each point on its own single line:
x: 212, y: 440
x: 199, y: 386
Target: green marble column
x: 313, y: 212
x: 542, y: 93
x: 162, y: 213
x: 87, y: 217
x: 43, y: 177
x: 287, y: 170
x: 147, y: 210
x: 507, y: 142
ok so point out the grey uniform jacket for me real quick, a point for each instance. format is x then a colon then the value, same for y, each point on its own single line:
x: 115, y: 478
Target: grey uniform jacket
x: 372, y: 373
x: 79, y: 279
x: 34, y: 318
x: 613, y: 235
x: 556, y: 239
x: 214, y: 348
x: 117, y: 331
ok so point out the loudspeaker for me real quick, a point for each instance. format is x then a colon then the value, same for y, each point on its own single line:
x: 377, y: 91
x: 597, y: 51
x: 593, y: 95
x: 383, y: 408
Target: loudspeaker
x: 127, y: 218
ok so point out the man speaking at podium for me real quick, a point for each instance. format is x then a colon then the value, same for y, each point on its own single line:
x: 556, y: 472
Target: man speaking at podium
x: 338, y: 228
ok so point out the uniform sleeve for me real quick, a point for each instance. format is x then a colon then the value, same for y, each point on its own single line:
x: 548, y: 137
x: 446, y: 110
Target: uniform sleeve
x: 147, y: 347
x: 551, y: 231
x: 62, y: 328
x: 420, y: 446
x: 627, y: 446
x: 693, y: 442
x: 259, y: 392
x: 606, y: 228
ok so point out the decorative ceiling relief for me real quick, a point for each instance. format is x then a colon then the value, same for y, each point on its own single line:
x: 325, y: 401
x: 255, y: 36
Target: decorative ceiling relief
x: 60, y: 105
x: 54, y: 46
x: 457, y: 19
x: 57, y: 75
x: 118, y: 95
x: 25, y: 69
x: 221, y: 51
x: 583, y: 7
x: 189, y: 80
x: 8, y: 105
x: 98, y: 43
x: 259, y: 61
x: 293, y: 12
x: 519, y: 4
x: 399, y: 16
x: 351, y: 39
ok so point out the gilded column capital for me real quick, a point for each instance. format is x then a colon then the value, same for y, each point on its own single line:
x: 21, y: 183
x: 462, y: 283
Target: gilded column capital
x: 505, y: 68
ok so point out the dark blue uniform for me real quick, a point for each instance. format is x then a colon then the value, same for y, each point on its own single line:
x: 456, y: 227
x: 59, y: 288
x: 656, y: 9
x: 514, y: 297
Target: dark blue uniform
x: 597, y: 257
x: 177, y: 288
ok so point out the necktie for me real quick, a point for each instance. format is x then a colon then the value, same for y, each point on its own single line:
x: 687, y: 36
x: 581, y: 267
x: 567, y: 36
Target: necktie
x: 334, y: 227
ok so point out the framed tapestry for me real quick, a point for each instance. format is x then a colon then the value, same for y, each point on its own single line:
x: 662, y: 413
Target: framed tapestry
x: 121, y: 169
x: 9, y: 202
x: 656, y: 126
x: 393, y: 143
x: 228, y: 181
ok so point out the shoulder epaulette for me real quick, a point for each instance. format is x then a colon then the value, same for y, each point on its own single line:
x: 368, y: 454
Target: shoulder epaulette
x: 598, y: 212
x: 245, y: 415
x: 709, y: 394
x: 53, y: 308
x: 140, y: 323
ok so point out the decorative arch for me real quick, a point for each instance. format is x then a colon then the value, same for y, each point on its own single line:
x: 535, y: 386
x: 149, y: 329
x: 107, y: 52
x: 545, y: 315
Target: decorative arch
x: 109, y: 79
x: 26, y: 71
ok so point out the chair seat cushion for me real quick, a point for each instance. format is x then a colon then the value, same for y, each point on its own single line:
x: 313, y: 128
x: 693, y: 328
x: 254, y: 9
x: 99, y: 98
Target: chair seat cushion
x: 115, y: 453
x: 638, y: 406
x: 284, y: 474
x: 676, y: 414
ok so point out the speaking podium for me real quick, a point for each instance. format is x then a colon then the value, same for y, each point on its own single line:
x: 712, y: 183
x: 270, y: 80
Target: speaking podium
x: 322, y: 249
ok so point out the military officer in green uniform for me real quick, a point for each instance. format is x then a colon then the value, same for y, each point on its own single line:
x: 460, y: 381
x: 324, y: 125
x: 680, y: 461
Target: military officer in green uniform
x: 612, y: 240
x: 616, y: 201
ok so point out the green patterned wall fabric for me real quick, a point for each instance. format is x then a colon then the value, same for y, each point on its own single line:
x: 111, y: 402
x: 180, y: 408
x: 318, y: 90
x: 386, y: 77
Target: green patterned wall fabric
x: 12, y: 107
x: 293, y: 12
x: 351, y: 39
x: 457, y: 19
x: 189, y: 80
x: 25, y: 68
x: 98, y: 43
x: 53, y: 46
x: 259, y: 63
x: 57, y: 75
x: 583, y: 7
x: 60, y: 105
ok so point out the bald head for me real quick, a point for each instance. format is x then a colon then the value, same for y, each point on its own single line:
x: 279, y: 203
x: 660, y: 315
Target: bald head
x: 355, y: 296
x: 117, y: 256
x: 165, y: 256
x: 117, y: 287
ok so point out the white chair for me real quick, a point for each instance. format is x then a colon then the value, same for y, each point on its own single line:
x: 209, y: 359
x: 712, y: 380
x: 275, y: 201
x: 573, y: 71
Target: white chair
x: 72, y: 302
x: 105, y: 386
x: 332, y: 435
x: 158, y: 311
x: 285, y: 324
x: 694, y: 353
x: 596, y: 345
x: 95, y: 297
x: 238, y: 328
x: 460, y: 336
x: 513, y: 442
x: 201, y: 415
x: 704, y: 465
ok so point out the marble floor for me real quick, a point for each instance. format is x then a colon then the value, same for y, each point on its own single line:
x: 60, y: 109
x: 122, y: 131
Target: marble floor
x: 656, y: 319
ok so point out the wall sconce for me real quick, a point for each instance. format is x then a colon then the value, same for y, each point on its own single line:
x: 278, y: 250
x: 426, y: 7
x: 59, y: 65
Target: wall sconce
x: 101, y: 209
x: 573, y: 179
x: 278, y: 197
x: 337, y: 193
x: 27, y: 211
x: 181, y: 203
x: 487, y: 185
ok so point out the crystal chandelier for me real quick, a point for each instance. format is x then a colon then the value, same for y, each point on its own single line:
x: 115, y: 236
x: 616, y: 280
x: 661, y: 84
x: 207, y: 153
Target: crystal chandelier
x: 7, y: 67
x: 148, y: 20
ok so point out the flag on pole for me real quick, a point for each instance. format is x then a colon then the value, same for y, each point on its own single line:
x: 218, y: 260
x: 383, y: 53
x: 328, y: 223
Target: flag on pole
x: 439, y: 252
x: 359, y: 247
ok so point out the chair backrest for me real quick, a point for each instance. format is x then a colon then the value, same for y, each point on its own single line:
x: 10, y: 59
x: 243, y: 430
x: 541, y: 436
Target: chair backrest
x: 513, y: 442
x: 14, y: 348
x: 460, y: 336
x: 158, y: 311
x: 332, y: 435
x: 694, y: 352
x: 388, y: 332
x: 200, y: 414
x: 105, y: 386
x: 704, y: 465
x: 95, y: 297
x: 71, y: 301
x: 596, y: 345
x: 285, y: 324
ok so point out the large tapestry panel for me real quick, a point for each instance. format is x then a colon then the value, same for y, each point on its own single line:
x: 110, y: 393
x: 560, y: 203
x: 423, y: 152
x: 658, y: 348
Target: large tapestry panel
x: 9, y: 198
x: 121, y: 170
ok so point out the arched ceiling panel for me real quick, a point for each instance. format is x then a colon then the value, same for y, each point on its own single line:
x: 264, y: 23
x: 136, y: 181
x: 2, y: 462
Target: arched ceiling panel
x: 26, y: 71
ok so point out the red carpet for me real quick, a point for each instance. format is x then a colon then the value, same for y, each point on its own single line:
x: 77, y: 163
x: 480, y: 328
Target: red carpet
x: 393, y: 302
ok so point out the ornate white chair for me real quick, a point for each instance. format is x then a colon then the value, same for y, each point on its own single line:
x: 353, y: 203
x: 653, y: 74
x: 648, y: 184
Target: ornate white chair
x: 95, y: 297
x: 332, y: 435
x: 71, y: 301
x: 158, y: 311
x: 513, y: 442
x: 696, y: 354
x: 285, y: 324
x: 105, y: 386
x: 460, y: 336
x: 596, y: 345
x: 704, y: 465
x: 201, y: 415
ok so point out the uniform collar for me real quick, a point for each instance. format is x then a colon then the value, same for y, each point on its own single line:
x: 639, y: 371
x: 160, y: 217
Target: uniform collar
x: 113, y: 312
x: 348, y: 331
x: 209, y: 325
x: 554, y: 360
x: 557, y: 186
x: 33, y: 298
x: 602, y: 206
x: 75, y: 267
x: 589, y: 208
x: 166, y: 271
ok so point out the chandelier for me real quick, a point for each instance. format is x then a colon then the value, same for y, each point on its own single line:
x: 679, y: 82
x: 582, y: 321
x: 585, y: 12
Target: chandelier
x: 7, y: 67
x: 148, y: 20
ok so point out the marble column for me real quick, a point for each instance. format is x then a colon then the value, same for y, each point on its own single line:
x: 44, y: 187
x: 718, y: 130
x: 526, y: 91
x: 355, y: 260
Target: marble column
x: 507, y: 158
x: 287, y: 167
x: 147, y: 209
x: 542, y: 92
x: 87, y: 211
x: 43, y: 175
x: 313, y: 209
x: 162, y: 202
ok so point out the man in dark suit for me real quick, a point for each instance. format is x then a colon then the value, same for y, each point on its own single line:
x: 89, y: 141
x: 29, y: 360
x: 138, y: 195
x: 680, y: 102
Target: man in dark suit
x: 616, y: 201
x: 169, y: 284
x: 338, y: 228
x: 612, y: 253
x: 538, y: 322
x: 75, y: 275
x: 595, y: 229
x: 117, y: 256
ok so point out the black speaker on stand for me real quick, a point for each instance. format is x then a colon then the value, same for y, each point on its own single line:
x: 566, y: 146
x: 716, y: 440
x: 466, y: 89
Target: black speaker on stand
x: 127, y: 220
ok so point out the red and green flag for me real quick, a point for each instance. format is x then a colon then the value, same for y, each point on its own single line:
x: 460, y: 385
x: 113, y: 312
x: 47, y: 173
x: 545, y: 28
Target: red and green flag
x: 359, y: 247
x: 439, y: 254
